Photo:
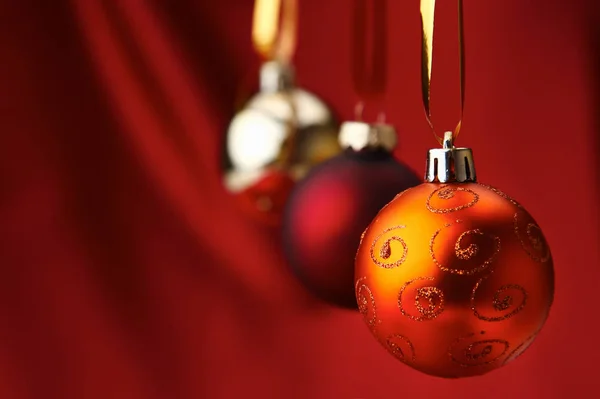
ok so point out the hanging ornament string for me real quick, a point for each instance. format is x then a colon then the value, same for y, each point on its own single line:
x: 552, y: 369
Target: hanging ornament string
x: 274, y: 35
x: 274, y: 29
x: 369, y: 51
x: 427, y: 23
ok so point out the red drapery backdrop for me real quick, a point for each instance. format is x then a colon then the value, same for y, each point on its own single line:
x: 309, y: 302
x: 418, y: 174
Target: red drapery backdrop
x: 127, y: 272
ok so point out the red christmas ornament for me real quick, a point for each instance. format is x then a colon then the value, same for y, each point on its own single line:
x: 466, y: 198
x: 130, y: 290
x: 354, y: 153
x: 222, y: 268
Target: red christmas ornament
x: 454, y: 278
x: 265, y: 199
x: 328, y: 211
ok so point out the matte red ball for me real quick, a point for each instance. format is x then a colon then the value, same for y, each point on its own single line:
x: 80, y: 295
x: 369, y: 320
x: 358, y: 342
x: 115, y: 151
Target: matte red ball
x: 327, y: 213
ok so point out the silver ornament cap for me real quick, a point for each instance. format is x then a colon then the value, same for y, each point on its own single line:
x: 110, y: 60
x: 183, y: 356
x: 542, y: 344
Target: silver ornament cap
x: 450, y: 164
x: 361, y: 136
x: 276, y: 77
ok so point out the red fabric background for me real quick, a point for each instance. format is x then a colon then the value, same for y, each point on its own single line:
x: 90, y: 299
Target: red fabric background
x: 126, y: 271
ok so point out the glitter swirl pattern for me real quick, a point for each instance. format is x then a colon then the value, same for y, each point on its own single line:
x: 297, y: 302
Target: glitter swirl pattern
x: 401, y: 348
x: 466, y: 253
x: 534, y: 242
x: 432, y: 296
x: 447, y: 192
x: 521, y: 348
x: 392, y: 259
x: 466, y: 351
x: 400, y: 194
x: 366, y: 302
x: 362, y: 236
x: 501, y: 194
x: 503, y: 301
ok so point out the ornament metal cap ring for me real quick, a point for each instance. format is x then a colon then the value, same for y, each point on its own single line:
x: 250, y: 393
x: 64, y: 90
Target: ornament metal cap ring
x: 276, y: 76
x: 450, y: 164
x: 361, y: 136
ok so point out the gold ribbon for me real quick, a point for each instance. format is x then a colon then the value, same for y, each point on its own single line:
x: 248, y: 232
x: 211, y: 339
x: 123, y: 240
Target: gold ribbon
x: 274, y: 29
x: 427, y: 24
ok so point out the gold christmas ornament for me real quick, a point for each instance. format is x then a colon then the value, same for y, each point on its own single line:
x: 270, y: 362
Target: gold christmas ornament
x: 283, y: 130
x: 281, y: 127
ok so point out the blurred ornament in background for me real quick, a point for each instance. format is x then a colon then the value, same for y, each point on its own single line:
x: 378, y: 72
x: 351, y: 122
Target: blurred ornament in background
x: 331, y: 207
x: 328, y: 211
x: 282, y: 131
x: 454, y: 278
x: 273, y: 142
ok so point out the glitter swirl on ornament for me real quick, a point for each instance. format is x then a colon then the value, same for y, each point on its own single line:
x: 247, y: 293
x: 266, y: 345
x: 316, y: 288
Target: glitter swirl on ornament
x: 466, y: 252
x: 521, y: 348
x: 400, y: 194
x: 362, y: 236
x: 501, y: 194
x: 467, y: 352
x: 503, y: 301
x: 432, y: 296
x: 366, y: 302
x: 534, y: 242
x: 385, y: 251
x: 449, y: 193
x: 395, y: 343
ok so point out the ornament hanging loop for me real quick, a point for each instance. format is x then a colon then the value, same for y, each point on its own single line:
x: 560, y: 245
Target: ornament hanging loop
x: 274, y: 35
x: 448, y: 140
x: 427, y: 24
x: 274, y: 29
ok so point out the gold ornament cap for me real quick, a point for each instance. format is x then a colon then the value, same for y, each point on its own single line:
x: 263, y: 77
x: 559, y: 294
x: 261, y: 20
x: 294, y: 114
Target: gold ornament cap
x: 450, y: 164
x: 362, y: 136
x: 276, y: 77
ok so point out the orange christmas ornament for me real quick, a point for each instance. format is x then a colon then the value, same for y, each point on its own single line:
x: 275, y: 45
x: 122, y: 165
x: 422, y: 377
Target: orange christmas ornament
x: 454, y: 278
